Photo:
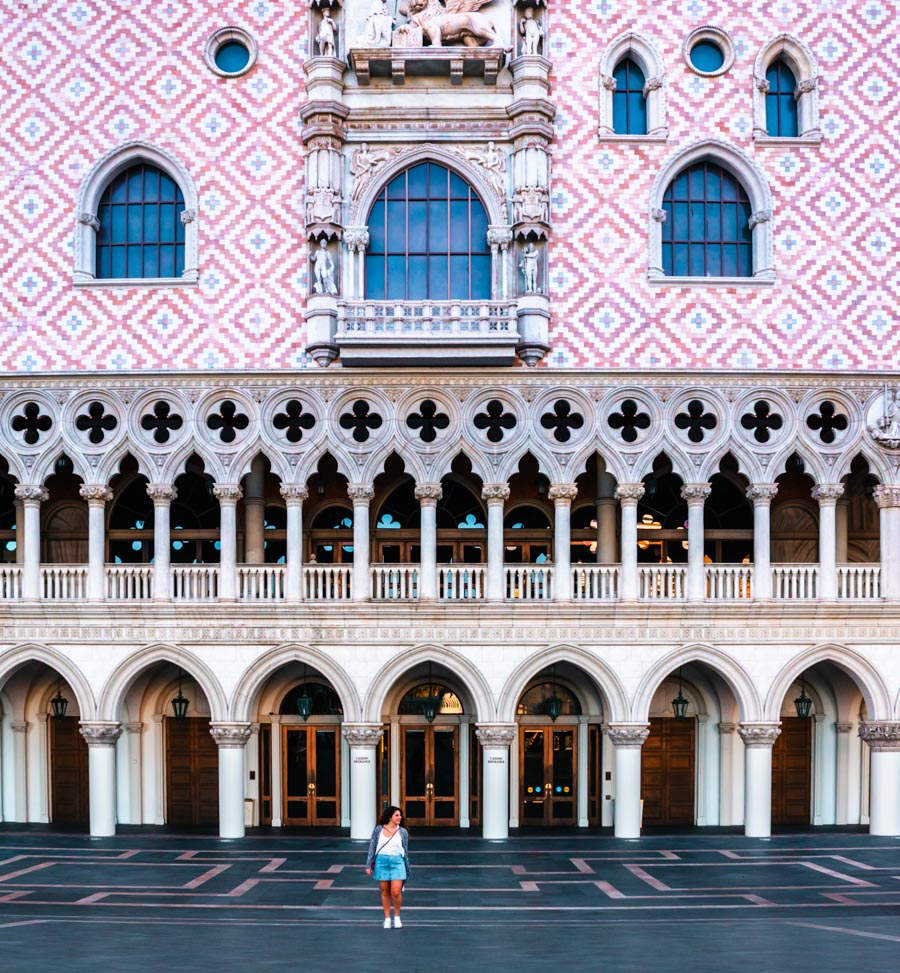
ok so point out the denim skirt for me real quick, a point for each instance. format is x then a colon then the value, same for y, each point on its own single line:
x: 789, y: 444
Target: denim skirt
x: 389, y: 868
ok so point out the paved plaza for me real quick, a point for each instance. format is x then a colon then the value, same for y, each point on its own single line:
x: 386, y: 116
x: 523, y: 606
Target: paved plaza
x: 153, y: 900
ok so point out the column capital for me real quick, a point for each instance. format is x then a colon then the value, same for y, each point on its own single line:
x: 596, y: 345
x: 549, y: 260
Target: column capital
x: 629, y: 492
x: 230, y: 736
x: 95, y: 493
x: 496, y: 735
x: 162, y: 494
x: 827, y: 493
x: 135, y: 729
x: 628, y: 736
x: 31, y: 493
x: 362, y: 734
x: 759, y: 734
x: 360, y: 492
x: 356, y: 237
x: 887, y: 495
x: 726, y: 728
x: 695, y: 493
x: 843, y: 727
x: 227, y: 493
x: 562, y: 492
x: 881, y: 734
x: 427, y: 493
x: 20, y: 726
x: 100, y: 734
x: 495, y: 492
x: 762, y: 494
x: 294, y: 493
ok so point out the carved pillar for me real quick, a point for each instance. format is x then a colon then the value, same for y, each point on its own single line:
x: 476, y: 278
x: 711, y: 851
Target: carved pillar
x: 255, y: 513
x: 134, y: 778
x: 606, y: 516
x: 628, y: 495
x: 758, y: 740
x: 101, y: 738
x: 761, y: 496
x: 428, y: 495
x: 20, y: 531
x: 763, y: 265
x: 162, y: 496
x: 887, y: 497
x: 20, y: 770
x: 842, y: 761
x: 628, y: 738
x: 495, y: 494
x: 97, y: 496
x: 726, y: 773
x: 356, y: 240
x: 361, y: 494
x: 293, y: 581
x: 584, y: 779
x: 883, y: 738
x: 827, y: 495
x: 495, y: 740
x: 276, y: 771
x: 231, y: 738
x: 362, y: 739
x: 695, y: 494
x: 228, y: 495
x: 562, y: 495
x: 841, y: 528
x: 499, y: 238
x: 31, y: 495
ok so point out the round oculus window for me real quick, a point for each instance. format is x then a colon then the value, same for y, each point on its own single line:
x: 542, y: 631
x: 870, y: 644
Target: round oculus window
x: 230, y: 52
x: 708, y: 51
x: 232, y: 57
x: 707, y: 56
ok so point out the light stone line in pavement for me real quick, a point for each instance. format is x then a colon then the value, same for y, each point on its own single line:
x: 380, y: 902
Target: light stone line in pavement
x: 847, y: 932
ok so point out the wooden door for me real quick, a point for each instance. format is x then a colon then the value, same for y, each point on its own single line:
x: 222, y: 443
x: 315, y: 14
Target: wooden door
x: 547, y: 768
x: 792, y: 772
x: 69, y: 792
x: 667, y: 772
x: 192, y: 773
x: 311, y: 775
x: 429, y: 775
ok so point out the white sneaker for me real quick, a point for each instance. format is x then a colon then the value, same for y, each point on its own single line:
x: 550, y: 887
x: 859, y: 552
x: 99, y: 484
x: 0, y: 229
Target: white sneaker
x: 397, y: 923
x: 387, y: 923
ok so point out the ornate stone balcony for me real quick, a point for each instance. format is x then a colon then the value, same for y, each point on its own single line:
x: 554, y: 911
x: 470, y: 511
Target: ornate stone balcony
x: 397, y: 63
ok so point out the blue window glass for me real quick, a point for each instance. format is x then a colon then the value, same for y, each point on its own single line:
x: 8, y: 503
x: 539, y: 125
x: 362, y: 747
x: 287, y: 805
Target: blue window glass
x: 781, y: 105
x: 629, y: 103
x: 707, y: 56
x: 428, y: 239
x: 232, y: 57
x: 706, y: 232
x: 141, y: 233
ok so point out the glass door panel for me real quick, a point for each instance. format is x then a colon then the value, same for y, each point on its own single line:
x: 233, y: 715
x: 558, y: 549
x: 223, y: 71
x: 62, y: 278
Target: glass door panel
x: 296, y: 776
x: 563, y: 776
x: 547, y: 775
x: 444, y: 787
x: 327, y: 776
x: 532, y: 775
x: 414, y: 776
x: 311, y: 778
x: 430, y: 771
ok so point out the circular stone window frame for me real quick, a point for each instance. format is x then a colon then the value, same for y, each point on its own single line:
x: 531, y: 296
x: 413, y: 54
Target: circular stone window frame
x: 717, y: 36
x: 227, y: 35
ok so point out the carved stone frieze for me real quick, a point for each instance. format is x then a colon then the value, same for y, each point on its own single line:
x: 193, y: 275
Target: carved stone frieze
x: 293, y: 493
x: 827, y: 493
x: 360, y: 492
x: 762, y: 493
x: 31, y: 493
x: 562, y: 492
x: 162, y: 494
x: 695, y: 493
x: 227, y: 493
x: 495, y: 492
x: 629, y: 492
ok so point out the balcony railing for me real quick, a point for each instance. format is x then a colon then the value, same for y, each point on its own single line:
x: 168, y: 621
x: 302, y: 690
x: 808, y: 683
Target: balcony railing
x: 327, y: 582
x: 795, y: 582
x: 859, y: 581
x: 727, y: 582
x: 260, y: 582
x: 420, y: 318
x: 195, y: 582
x: 595, y: 582
x: 10, y: 582
x: 64, y: 582
x: 662, y: 582
x: 129, y: 582
x: 461, y: 582
x: 394, y: 582
x: 528, y: 582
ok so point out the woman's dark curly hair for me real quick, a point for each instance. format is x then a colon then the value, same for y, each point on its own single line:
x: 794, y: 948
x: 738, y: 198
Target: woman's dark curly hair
x: 388, y: 813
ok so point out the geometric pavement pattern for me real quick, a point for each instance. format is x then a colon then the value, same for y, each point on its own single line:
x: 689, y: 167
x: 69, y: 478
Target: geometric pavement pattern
x: 82, y: 76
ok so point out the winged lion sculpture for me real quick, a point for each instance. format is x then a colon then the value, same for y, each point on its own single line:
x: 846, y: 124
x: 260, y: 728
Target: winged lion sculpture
x: 452, y: 22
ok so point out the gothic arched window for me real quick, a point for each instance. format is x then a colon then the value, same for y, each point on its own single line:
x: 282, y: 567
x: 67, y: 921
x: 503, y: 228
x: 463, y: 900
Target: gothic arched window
x: 629, y: 103
x: 428, y: 239
x: 782, y: 115
x: 706, y: 231
x: 140, y: 233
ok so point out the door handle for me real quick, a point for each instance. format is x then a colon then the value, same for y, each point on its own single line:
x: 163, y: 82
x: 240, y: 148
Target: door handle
x: 429, y: 790
x: 548, y: 788
x: 311, y: 788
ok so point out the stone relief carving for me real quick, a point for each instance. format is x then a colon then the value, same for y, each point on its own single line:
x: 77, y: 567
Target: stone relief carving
x: 445, y: 22
x: 365, y: 162
x: 531, y: 205
x: 884, y: 419
x: 377, y: 31
x: 493, y: 162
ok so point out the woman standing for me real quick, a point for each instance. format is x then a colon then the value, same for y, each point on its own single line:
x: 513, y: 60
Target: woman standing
x: 389, y: 858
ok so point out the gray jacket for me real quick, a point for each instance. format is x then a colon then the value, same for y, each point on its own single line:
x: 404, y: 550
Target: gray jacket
x: 373, y: 846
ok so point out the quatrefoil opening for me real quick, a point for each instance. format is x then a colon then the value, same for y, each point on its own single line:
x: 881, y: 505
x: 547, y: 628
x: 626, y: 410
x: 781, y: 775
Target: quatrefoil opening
x: 161, y: 422
x: 629, y: 421
x: 360, y: 419
x: 293, y: 421
x: 31, y: 423
x: 562, y: 420
x: 227, y: 421
x: 827, y: 422
x: 762, y: 421
x: 96, y: 423
x: 697, y: 421
x: 428, y: 421
x: 494, y: 421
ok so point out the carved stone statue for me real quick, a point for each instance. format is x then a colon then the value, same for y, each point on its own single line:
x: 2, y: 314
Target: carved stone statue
x: 378, y: 25
x: 492, y: 160
x: 323, y: 268
x: 532, y: 32
x: 885, y: 429
x: 452, y: 22
x: 326, y: 38
x: 529, y: 267
x: 364, y: 162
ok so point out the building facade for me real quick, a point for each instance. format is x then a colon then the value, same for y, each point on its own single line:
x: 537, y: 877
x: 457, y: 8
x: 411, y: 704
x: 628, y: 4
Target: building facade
x: 485, y: 407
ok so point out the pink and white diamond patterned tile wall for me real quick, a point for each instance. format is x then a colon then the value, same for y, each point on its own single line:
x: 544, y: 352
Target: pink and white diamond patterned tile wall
x: 82, y: 76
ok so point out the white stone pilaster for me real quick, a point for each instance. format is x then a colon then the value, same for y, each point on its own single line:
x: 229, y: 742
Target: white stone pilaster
x: 495, y: 495
x: 495, y: 739
x: 827, y: 495
x: 628, y: 738
x: 888, y: 499
x: 162, y: 496
x: 293, y: 582
x: 761, y: 495
x: 428, y: 495
x: 363, y: 739
x: 101, y: 739
x: 758, y: 740
x: 31, y: 496
x: 628, y: 495
x: 695, y: 494
x: 231, y: 739
x: 361, y: 494
x: 97, y: 496
x: 883, y: 738
x: 228, y: 495
x: 562, y: 495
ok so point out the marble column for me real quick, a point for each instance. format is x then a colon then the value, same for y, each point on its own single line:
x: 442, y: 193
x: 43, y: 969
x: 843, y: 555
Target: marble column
x: 361, y: 494
x: 628, y: 738
x: 231, y: 738
x: 758, y: 740
x: 606, y: 516
x: 695, y: 494
x: 31, y: 496
x: 228, y: 495
x: 255, y: 513
x: 562, y: 495
x: 888, y: 499
x: 162, y: 496
x: 465, y: 774
x: 827, y: 495
x: 97, y: 496
x: 842, y: 773
x: 584, y: 778
x: 20, y: 770
x: 363, y: 739
x: 428, y: 495
x: 134, y: 781
x: 276, y: 770
x: 761, y: 496
x: 20, y: 531
x: 726, y: 773
x: 294, y: 496
x: 883, y: 738
x: 628, y: 495
x: 495, y: 739
x: 101, y: 739
x: 841, y: 530
x: 495, y: 495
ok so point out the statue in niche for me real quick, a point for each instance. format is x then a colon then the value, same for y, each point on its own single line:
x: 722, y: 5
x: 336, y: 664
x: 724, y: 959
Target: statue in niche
x: 532, y: 32
x: 885, y: 429
x: 452, y: 22
x: 323, y: 269
x: 327, y: 36
x: 378, y: 25
x: 530, y: 269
